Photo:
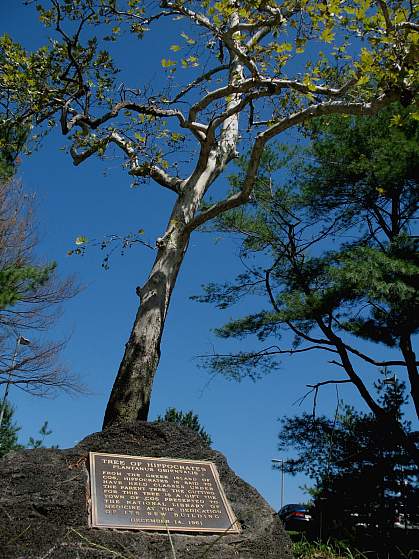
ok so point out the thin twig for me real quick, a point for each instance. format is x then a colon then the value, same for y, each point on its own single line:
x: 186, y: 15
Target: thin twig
x: 19, y: 535
x: 98, y: 546
x: 170, y: 539
x: 216, y: 540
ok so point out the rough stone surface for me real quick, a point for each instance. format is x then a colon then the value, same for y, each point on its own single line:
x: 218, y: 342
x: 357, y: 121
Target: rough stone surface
x: 43, y: 512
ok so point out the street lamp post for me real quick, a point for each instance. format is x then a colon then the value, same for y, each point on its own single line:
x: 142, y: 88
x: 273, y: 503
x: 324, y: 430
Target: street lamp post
x: 281, y: 461
x: 19, y: 341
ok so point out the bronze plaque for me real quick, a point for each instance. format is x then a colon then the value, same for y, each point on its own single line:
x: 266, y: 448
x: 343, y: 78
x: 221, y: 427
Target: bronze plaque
x: 143, y: 493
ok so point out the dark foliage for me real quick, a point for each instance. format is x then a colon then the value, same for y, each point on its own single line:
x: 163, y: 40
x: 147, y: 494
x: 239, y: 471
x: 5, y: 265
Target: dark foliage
x: 331, y: 252
x: 363, y: 478
x: 188, y: 419
x: 8, y: 432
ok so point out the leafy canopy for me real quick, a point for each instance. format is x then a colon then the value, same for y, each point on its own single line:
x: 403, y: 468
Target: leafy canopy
x: 290, y: 54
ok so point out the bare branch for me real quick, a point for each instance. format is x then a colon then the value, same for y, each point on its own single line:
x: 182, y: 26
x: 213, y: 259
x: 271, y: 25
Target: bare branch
x: 315, y: 389
x: 152, y: 110
x: 136, y: 169
x: 408, y: 25
x: 325, y: 382
x: 229, y: 203
x: 369, y: 359
x: 143, y: 20
x: 200, y: 79
x: 264, y: 87
x: 160, y: 176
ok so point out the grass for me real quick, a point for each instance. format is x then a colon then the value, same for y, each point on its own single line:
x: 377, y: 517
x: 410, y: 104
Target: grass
x: 304, y: 549
x: 337, y: 549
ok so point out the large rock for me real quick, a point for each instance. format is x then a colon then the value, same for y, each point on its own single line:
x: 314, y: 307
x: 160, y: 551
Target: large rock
x: 44, y: 514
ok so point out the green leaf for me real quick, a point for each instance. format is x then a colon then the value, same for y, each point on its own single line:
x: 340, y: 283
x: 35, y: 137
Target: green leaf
x: 188, y: 39
x: 167, y: 63
x: 81, y: 240
x: 327, y: 36
x: 396, y: 120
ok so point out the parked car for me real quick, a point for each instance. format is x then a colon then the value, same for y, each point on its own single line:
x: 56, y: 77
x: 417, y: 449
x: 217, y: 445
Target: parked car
x: 406, y: 522
x: 296, y: 517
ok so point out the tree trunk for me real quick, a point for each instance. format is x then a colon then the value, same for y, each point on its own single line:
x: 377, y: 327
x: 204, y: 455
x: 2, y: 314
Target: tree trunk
x: 131, y: 392
x: 130, y: 396
x: 412, y: 370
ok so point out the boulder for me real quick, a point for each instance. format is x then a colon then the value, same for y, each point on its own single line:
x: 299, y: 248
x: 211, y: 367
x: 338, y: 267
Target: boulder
x: 44, y: 492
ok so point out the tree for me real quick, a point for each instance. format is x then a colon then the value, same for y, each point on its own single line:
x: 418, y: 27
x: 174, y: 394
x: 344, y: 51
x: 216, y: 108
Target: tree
x: 11, y: 143
x: 360, y: 474
x: 43, y: 432
x: 30, y: 297
x: 324, y: 299
x: 29, y: 290
x: 188, y: 419
x: 8, y: 432
x: 246, y: 79
x: 29, y: 293
x: 12, y: 140
x: 385, y: 195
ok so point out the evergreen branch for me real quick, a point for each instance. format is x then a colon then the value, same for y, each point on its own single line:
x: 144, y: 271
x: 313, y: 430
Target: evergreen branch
x: 346, y: 364
x: 267, y: 352
x: 369, y: 359
x: 412, y: 371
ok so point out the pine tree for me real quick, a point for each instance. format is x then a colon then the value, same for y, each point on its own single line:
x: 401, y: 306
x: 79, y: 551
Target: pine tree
x: 188, y: 419
x: 8, y: 432
x: 331, y: 253
x: 361, y: 474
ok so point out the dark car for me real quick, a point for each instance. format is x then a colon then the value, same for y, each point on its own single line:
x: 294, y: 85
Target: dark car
x: 406, y: 521
x: 295, y: 517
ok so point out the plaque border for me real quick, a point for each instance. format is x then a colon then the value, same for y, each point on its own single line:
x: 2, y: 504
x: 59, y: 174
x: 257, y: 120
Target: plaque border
x: 234, y: 527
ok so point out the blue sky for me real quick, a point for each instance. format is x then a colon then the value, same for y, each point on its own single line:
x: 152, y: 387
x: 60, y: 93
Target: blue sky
x: 95, y: 199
